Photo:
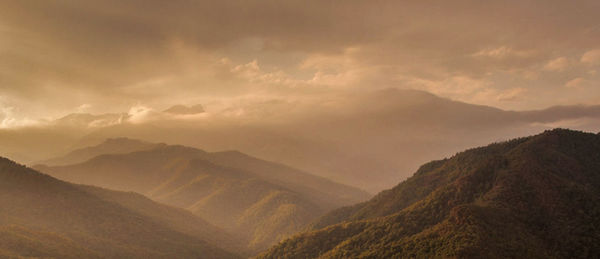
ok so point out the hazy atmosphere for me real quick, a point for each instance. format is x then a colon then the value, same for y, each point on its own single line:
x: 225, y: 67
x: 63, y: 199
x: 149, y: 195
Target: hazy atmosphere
x: 265, y: 119
x: 58, y: 57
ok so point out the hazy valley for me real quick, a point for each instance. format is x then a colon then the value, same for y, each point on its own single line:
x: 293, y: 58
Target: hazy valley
x: 299, y: 129
x: 260, y: 201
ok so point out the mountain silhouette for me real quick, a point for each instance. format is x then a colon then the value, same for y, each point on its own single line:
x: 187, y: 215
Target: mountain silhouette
x: 261, y: 201
x: 533, y: 197
x: 43, y: 217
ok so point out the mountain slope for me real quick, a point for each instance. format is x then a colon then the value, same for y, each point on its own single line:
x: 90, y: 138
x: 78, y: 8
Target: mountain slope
x: 262, y: 202
x: 45, y: 217
x: 534, y: 197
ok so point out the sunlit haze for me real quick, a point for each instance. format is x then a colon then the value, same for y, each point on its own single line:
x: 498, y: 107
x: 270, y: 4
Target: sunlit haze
x: 337, y: 88
x: 59, y: 57
x: 299, y: 129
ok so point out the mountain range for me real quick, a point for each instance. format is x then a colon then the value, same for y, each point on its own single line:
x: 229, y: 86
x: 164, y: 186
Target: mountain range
x: 42, y: 217
x: 261, y: 201
x: 369, y: 140
x: 532, y: 197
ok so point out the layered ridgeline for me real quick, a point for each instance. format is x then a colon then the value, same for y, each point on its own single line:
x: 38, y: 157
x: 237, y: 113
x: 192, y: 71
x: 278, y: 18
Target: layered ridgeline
x: 534, y: 197
x: 261, y: 201
x: 43, y: 217
x: 372, y: 139
x: 109, y: 146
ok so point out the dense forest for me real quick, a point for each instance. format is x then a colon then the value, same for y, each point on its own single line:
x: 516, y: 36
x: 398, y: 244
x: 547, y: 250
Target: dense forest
x: 533, y: 197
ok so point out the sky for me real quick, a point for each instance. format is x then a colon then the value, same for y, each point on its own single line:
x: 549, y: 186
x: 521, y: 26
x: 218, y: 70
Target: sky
x: 59, y: 57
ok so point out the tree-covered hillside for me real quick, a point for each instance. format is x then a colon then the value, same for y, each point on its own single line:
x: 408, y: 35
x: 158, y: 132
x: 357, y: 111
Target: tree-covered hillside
x: 534, y: 197
x: 43, y: 217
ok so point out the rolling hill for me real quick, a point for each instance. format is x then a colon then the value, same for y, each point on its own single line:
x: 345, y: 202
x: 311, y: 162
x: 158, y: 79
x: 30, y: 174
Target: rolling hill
x: 43, y: 217
x: 263, y: 202
x: 533, y: 197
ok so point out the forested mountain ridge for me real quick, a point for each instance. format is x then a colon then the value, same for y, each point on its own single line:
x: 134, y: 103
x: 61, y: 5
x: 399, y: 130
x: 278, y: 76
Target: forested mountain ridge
x: 261, y: 201
x: 41, y: 216
x: 533, y: 197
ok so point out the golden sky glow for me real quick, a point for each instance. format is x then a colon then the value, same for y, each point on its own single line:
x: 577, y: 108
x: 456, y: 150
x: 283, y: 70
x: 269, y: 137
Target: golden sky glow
x: 58, y: 57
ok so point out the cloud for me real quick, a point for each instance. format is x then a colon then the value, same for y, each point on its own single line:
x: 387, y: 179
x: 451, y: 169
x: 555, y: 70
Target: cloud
x: 499, y: 52
x: 9, y: 121
x: 455, y: 87
x: 575, y: 83
x: 140, y: 114
x: 503, y: 52
x: 88, y: 121
x: 83, y: 108
x: 591, y: 57
x: 111, y: 54
x: 558, y: 64
x: 511, y: 94
x: 252, y: 73
x: 185, y: 110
